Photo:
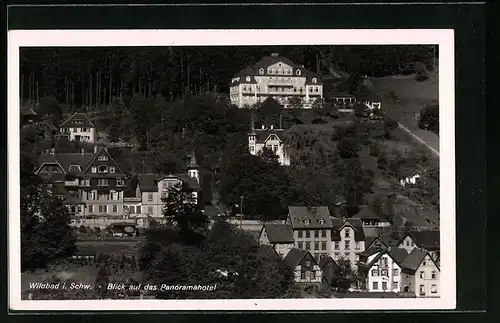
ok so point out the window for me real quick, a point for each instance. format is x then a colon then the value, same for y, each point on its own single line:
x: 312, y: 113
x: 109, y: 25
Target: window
x: 316, y: 245
x: 150, y: 210
x: 300, y: 244
x: 297, y: 72
x: 115, y: 208
x: 347, y: 254
x: 323, y: 245
x: 323, y: 232
x: 357, y: 246
x: 119, y: 181
x: 434, y: 289
x: 395, y: 285
x: 424, y: 263
x: 299, y: 233
x: 103, y: 197
x: 336, y: 245
x: 433, y: 275
x: 395, y: 272
x: 347, y: 245
x: 314, y: 80
x: 103, y: 208
x: 374, y: 272
x: 91, y: 208
x: 316, y: 233
x: 150, y: 197
x: 422, y: 289
x: 308, y: 263
x: 102, y: 157
x: 385, y: 272
x: 321, y: 221
x: 308, y: 245
x: 75, y: 129
x: 375, y: 285
x: 337, y: 254
x: 347, y: 233
x: 112, y: 169
x: 138, y: 207
x: 103, y: 169
x: 94, y: 169
x: 384, y: 285
x: 422, y: 274
x: 261, y: 71
x: 408, y: 243
x: 307, y: 234
x: 102, y: 182
x: 84, y: 129
x: 303, y: 275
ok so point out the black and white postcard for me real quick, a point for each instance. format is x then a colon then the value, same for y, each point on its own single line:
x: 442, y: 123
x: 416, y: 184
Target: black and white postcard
x: 231, y: 170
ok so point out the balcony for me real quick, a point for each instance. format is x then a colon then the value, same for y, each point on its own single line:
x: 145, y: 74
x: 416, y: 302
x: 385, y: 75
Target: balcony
x: 281, y: 82
x: 71, y: 183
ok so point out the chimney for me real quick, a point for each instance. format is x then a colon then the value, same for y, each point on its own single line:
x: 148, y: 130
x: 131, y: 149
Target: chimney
x: 95, y: 149
x: 52, y: 151
x: 83, y: 151
x: 275, y: 54
x: 263, y: 127
x: 272, y: 126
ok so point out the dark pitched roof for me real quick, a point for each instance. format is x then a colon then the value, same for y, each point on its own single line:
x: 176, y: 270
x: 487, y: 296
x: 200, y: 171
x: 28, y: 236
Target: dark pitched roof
x: 414, y: 259
x: 147, y: 182
x: 266, y: 61
x: 370, y: 251
x: 267, y: 251
x: 338, y: 224
x: 299, y: 214
x: 398, y: 254
x: 77, y: 117
x: 294, y: 256
x: 66, y: 159
x: 263, y: 134
x: 279, y: 233
x: 426, y: 239
x: 395, y: 255
x: 326, y: 261
x: 191, y: 182
x: 366, y: 213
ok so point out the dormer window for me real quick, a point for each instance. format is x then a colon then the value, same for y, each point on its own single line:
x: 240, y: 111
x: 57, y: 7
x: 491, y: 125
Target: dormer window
x: 78, y: 121
x: 321, y: 221
x: 112, y: 169
x: 248, y: 78
x: 103, y: 158
x: 103, y: 169
x: 307, y: 221
x: 315, y: 80
x: 74, y: 168
x: 298, y: 72
x: 261, y: 71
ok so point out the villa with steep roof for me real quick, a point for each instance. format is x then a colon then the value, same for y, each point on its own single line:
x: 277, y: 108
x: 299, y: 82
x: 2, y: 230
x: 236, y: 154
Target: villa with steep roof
x: 348, y: 239
x: 78, y: 127
x: 270, y: 138
x: 277, y: 77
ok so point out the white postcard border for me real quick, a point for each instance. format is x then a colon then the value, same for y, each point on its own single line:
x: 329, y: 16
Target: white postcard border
x: 230, y: 37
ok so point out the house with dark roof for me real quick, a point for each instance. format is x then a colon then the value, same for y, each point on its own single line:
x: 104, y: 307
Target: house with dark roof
x: 270, y: 138
x: 381, y: 269
x: 279, y: 235
x: 421, y: 274
x: 78, y: 127
x: 28, y: 115
x: 305, y: 267
x: 425, y: 240
x: 312, y: 229
x: 153, y: 188
x: 369, y: 218
x: 277, y: 77
x: 91, y: 184
x: 382, y: 240
x: 267, y: 252
x: 348, y: 239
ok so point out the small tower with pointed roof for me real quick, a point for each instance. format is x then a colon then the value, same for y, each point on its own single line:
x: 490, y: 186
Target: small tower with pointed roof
x: 252, y: 138
x: 193, y: 167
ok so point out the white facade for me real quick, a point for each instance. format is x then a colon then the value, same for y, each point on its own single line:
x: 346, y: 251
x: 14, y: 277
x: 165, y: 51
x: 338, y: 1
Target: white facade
x: 281, y: 80
x: 347, y: 247
x: 80, y: 134
x: 271, y: 142
x: 425, y: 281
x: 384, y: 275
x: 281, y: 248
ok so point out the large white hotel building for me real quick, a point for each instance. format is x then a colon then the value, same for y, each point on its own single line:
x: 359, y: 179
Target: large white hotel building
x: 277, y: 77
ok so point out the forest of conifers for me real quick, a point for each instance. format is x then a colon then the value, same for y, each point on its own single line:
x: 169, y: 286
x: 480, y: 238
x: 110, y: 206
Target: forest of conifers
x: 92, y: 76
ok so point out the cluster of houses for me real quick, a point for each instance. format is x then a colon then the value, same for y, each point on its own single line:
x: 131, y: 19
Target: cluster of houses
x: 312, y: 242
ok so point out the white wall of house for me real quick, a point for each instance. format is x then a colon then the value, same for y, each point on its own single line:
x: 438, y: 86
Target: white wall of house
x: 384, y: 275
x: 86, y: 134
x: 274, y: 144
x: 347, y: 247
x: 407, y: 244
x: 314, y: 276
x: 306, y: 239
x: 426, y: 279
